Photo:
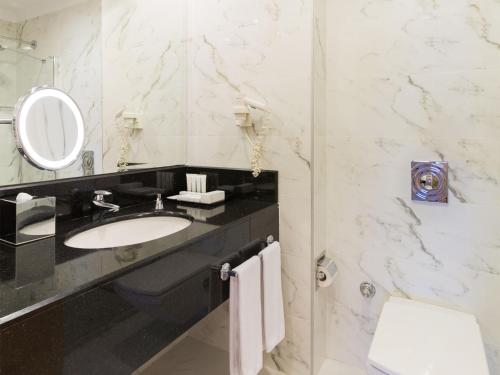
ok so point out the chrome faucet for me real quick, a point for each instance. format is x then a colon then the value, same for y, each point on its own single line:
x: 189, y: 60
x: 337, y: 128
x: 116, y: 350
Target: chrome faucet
x: 99, y: 201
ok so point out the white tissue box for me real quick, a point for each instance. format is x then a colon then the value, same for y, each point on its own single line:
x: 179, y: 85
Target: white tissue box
x: 27, y: 219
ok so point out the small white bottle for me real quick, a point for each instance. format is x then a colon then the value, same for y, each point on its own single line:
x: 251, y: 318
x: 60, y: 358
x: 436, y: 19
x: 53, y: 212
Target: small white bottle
x: 189, y: 181
x: 203, y: 183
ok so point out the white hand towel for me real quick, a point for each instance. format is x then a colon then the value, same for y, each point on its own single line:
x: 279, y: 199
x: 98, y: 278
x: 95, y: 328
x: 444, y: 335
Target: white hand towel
x: 272, y: 301
x: 245, y: 319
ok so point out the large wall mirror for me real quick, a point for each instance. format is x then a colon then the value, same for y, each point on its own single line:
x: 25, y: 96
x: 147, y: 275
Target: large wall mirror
x: 120, y: 61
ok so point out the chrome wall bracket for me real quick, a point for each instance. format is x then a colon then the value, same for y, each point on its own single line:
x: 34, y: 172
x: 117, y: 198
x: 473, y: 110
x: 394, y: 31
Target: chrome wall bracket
x: 367, y: 290
x: 429, y: 181
x: 88, y: 163
x: 226, y: 271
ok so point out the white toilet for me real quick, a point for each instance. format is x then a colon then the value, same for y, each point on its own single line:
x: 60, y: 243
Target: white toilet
x: 415, y: 338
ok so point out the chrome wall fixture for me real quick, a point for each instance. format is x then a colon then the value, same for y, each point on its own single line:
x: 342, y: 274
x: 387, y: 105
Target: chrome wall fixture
x: 48, y: 113
x: 367, y: 290
x: 226, y: 271
x: 22, y: 53
x: 27, y: 218
x: 429, y: 181
x: 326, y: 271
x: 22, y: 44
x: 88, y: 163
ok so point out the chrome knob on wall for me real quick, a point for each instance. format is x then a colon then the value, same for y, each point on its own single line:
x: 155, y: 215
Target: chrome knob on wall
x: 429, y: 180
x: 367, y: 290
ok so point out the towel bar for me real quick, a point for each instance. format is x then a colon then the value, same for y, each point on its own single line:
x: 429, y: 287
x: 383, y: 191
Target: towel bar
x: 226, y: 271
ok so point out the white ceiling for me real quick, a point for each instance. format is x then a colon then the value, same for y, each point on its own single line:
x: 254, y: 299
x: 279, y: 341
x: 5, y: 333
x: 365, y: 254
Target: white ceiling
x: 20, y: 10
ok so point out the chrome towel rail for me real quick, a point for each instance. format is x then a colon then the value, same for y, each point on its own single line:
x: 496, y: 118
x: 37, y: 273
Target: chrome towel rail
x: 226, y: 272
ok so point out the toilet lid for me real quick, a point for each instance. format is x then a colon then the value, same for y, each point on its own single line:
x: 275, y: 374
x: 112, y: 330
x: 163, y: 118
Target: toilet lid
x: 414, y: 338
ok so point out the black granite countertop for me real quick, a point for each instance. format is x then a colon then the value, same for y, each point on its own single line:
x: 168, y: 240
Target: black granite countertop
x: 39, y: 274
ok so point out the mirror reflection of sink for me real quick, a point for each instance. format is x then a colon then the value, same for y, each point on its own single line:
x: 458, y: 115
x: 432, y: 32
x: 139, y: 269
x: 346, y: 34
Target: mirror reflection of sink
x: 129, y: 230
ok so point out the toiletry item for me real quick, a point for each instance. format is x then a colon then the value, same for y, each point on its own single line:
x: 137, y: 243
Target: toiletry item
x: 189, y: 180
x: 27, y: 220
x: 203, y: 183
x: 198, y: 183
x: 23, y: 197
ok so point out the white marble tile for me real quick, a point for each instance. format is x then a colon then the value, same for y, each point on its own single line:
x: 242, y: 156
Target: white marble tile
x: 10, y: 162
x: 412, y: 81
x: 319, y: 169
x: 293, y: 355
x: 8, y: 71
x: 351, y: 319
x: 295, y: 225
x: 214, y: 328
x: 331, y: 367
x: 296, y: 277
x: 189, y: 357
x: 144, y: 65
x: 262, y: 50
x: 78, y: 63
x: 72, y: 35
x: 290, y: 357
x: 444, y: 254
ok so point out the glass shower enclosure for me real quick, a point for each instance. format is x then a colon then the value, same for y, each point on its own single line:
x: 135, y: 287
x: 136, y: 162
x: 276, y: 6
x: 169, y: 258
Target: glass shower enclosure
x: 21, y: 69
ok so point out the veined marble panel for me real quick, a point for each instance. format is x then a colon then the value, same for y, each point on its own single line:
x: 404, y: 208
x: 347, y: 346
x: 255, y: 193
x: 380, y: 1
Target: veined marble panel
x: 337, y: 368
x: 10, y: 160
x: 144, y: 54
x: 7, y: 67
x: 261, y: 49
x: 319, y: 165
x: 413, y: 80
x: 72, y: 36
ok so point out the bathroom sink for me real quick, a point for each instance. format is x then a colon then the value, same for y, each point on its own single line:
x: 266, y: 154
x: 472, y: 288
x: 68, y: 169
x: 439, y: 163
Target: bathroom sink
x: 128, y: 230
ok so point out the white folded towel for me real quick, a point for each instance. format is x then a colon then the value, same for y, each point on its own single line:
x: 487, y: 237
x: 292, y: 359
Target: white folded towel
x: 272, y: 301
x: 245, y: 319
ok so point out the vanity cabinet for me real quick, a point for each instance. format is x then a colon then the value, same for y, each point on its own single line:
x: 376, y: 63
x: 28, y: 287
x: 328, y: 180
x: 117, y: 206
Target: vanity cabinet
x: 117, y: 326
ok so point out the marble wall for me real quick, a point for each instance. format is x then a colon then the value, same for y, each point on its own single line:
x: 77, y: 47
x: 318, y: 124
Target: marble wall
x: 8, y: 70
x: 10, y: 160
x: 114, y: 58
x: 261, y: 49
x: 412, y: 80
x: 319, y: 178
x: 73, y: 37
x: 144, y: 66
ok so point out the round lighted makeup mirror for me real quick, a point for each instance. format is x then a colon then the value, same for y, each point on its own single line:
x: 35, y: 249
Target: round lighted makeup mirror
x: 49, y: 128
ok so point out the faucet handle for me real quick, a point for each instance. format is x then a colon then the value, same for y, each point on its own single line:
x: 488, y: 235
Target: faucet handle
x: 159, y: 202
x: 103, y: 192
x: 100, y: 194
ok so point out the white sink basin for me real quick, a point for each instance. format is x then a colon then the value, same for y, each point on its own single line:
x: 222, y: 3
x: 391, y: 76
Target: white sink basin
x: 128, y: 232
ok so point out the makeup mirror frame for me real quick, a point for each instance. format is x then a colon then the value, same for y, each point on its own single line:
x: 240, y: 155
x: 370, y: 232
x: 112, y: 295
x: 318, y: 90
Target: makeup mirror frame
x: 20, y: 125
